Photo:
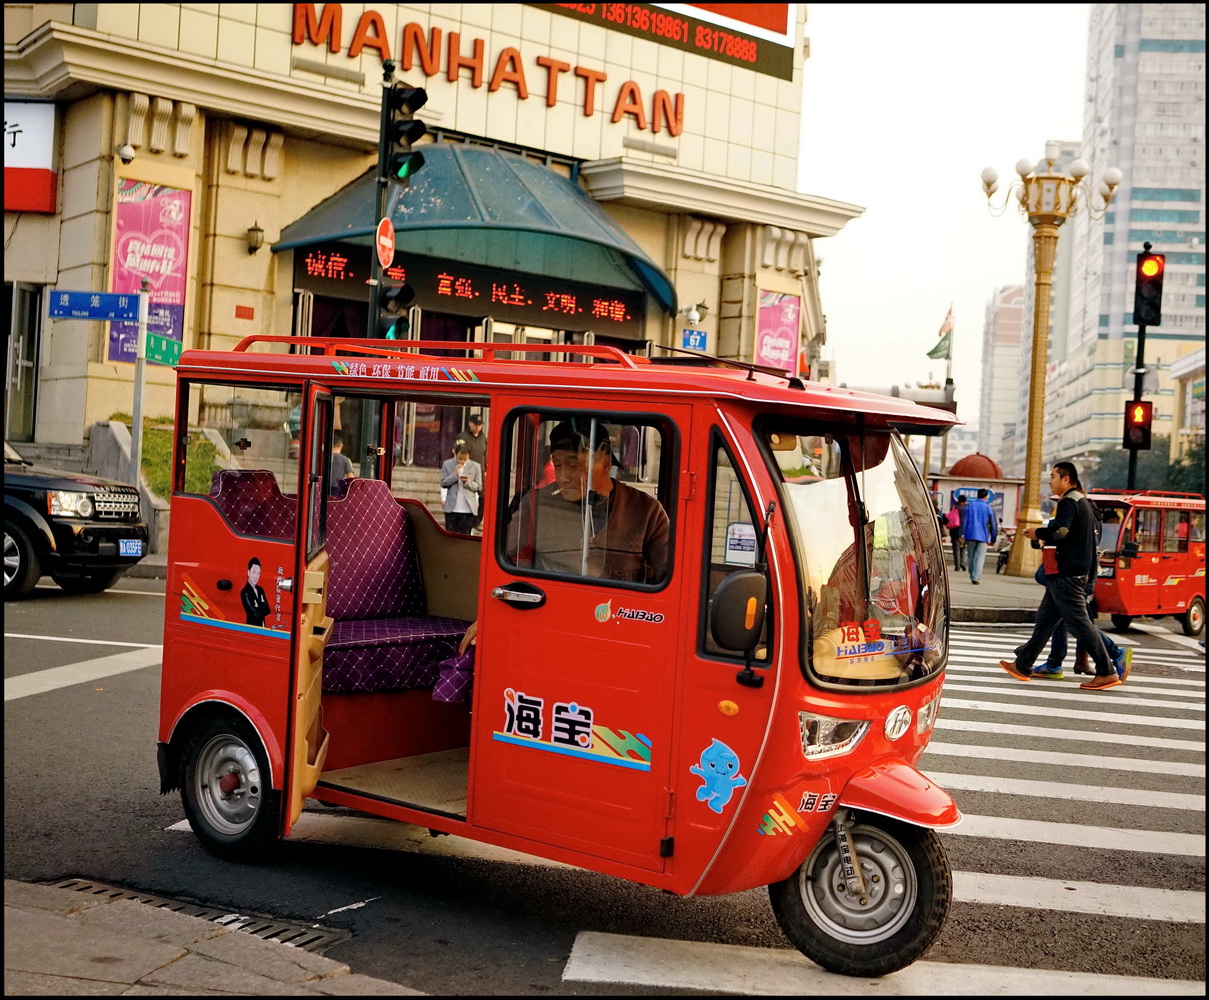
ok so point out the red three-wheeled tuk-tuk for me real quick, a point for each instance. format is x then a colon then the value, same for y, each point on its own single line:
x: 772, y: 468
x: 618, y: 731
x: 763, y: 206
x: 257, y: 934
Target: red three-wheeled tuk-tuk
x: 708, y: 607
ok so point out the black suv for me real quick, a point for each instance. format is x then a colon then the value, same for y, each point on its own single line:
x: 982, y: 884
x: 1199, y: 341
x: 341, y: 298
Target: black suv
x: 83, y: 530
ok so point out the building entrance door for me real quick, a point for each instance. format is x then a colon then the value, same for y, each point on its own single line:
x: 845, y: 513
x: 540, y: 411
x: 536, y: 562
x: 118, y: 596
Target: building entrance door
x: 23, y: 303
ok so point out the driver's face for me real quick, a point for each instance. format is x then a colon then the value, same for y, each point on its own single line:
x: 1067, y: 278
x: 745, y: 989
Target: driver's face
x: 570, y: 474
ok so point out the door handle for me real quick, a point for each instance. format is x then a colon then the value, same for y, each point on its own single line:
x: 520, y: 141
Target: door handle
x: 523, y: 596
x: 286, y: 583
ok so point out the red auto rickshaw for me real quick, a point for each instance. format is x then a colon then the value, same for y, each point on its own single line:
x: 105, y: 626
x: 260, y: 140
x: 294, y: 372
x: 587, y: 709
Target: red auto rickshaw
x: 1152, y: 557
x: 710, y: 607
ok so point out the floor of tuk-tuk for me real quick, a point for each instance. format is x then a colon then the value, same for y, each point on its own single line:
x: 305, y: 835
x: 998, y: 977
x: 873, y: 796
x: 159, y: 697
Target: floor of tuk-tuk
x: 433, y: 781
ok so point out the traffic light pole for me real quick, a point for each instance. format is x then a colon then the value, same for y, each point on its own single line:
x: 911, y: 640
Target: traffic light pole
x: 369, y: 414
x: 1139, y: 372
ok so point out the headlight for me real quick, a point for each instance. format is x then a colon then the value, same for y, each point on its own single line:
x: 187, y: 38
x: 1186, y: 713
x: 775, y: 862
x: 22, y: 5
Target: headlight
x: 65, y: 504
x: 925, y: 718
x: 1107, y: 571
x: 825, y: 736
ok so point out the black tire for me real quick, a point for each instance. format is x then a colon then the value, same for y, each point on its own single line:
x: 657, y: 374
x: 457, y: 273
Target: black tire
x: 92, y: 584
x: 907, y: 905
x: 1121, y: 622
x: 1193, y: 621
x: 22, y: 567
x: 243, y: 822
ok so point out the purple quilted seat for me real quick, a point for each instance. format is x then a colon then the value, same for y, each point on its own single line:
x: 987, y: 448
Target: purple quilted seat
x: 254, y: 504
x: 388, y: 654
x: 382, y: 640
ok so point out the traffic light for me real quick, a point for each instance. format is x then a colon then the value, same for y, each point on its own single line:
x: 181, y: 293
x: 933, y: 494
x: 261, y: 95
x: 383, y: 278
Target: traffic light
x: 1138, y: 415
x: 1148, y: 291
x: 399, y: 161
x: 394, y: 298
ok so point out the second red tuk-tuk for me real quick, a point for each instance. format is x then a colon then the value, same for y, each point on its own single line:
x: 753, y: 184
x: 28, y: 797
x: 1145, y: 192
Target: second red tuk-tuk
x: 1152, y: 557
x: 710, y: 604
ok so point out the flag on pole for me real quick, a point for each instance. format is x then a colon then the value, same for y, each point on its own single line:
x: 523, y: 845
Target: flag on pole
x: 944, y: 346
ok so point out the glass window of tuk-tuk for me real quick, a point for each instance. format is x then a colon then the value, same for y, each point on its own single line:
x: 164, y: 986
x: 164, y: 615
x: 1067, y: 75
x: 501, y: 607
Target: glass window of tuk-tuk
x: 1111, y: 519
x: 1196, y: 526
x: 1148, y: 528
x: 586, y: 496
x: 1175, y: 531
x: 869, y: 554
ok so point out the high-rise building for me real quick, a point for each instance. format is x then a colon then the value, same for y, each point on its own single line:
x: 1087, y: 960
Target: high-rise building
x: 1000, y: 402
x: 1145, y: 114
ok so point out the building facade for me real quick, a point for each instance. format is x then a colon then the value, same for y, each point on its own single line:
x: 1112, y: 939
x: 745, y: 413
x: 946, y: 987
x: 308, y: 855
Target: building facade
x: 1145, y: 114
x: 1188, y: 398
x: 999, y: 404
x: 167, y: 142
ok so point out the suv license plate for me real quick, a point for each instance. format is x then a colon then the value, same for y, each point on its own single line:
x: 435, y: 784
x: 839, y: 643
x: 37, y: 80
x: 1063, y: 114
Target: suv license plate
x: 130, y: 546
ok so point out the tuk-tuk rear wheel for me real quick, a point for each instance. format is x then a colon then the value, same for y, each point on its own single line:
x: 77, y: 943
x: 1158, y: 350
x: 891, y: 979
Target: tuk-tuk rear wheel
x: 225, y: 788
x: 1193, y: 621
x: 910, y: 888
x: 1121, y: 622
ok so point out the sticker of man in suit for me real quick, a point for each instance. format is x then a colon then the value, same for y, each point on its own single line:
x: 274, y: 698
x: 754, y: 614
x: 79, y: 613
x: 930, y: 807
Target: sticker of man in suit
x: 255, y: 603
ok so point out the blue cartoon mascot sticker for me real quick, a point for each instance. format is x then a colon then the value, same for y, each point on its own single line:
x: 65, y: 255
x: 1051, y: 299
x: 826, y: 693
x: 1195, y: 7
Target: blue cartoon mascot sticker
x: 719, y: 768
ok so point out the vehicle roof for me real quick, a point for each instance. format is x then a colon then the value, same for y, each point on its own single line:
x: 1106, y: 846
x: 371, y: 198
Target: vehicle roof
x: 367, y: 366
x: 1149, y: 498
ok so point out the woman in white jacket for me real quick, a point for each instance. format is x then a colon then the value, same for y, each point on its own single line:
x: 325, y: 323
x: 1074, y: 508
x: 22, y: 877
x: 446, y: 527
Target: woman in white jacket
x: 462, y: 479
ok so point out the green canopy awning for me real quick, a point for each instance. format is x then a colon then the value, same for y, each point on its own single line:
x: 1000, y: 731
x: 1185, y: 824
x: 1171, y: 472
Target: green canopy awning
x: 484, y: 206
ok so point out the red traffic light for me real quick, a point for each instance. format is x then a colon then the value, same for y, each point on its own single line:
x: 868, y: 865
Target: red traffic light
x: 1138, y: 414
x: 1150, y: 266
x: 1138, y: 417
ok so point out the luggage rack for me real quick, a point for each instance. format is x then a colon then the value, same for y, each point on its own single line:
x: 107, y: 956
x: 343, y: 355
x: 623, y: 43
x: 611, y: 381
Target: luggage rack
x: 332, y: 346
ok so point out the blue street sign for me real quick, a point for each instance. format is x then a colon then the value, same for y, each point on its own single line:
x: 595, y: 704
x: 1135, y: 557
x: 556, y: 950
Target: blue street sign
x: 123, y: 306
x: 694, y: 340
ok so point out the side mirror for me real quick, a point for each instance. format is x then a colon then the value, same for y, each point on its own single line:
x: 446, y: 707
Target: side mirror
x: 736, y: 616
x: 1129, y: 549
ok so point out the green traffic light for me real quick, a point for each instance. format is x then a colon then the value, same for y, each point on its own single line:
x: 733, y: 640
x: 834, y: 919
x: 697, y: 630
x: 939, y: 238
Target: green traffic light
x: 405, y: 165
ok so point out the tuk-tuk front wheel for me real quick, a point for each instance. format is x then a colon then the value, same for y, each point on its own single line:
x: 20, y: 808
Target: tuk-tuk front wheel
x: 909, y: 888
x: 1193, y: 620
x: 225, y: 787
x: 1121, y: 622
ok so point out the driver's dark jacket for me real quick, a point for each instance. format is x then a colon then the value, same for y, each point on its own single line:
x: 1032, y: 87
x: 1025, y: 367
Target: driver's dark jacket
x: 1072, y: 531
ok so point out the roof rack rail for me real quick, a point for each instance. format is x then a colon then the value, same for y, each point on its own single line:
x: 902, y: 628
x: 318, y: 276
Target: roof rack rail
x: 716, y: 361
x: 1144, y: 493
x: 410, y: 348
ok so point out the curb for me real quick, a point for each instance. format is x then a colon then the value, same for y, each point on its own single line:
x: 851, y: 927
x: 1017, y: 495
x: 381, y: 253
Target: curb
x: 147, y: 571
x: 1003, y: 615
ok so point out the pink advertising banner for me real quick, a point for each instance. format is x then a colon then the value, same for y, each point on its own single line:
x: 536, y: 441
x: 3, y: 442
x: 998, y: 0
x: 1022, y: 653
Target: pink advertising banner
x: 777, y: 330
x: 152, y: 242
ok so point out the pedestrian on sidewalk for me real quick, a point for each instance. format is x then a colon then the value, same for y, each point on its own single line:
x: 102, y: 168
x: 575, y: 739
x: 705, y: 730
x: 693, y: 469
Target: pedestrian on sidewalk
x: 979, y: 528
x: 953, y: 526
x: 1072, y: 532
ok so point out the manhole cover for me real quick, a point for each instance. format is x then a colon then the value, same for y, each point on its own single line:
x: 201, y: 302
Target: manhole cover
x: 312, y: 937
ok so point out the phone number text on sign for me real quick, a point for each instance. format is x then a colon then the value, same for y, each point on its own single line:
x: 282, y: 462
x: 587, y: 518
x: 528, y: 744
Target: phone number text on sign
x: 685, y: 33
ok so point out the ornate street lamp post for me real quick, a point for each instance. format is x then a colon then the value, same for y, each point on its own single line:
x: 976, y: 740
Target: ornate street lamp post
x: 1047, y: 197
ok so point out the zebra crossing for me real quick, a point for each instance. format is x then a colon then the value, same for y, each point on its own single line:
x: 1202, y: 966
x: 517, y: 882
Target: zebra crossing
x: 1078, y: 869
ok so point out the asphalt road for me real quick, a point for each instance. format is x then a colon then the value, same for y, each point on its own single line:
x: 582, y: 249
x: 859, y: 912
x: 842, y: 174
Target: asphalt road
x: 1082, y: 851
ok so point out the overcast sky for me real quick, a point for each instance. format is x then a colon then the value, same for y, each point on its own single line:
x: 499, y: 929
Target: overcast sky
x: 904, y: 104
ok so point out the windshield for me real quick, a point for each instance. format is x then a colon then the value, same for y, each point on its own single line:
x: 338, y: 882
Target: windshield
x: 869, y: 555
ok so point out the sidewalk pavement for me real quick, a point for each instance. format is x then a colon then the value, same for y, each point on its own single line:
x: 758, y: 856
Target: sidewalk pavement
x: 997, y: 598
x: 60, y: 943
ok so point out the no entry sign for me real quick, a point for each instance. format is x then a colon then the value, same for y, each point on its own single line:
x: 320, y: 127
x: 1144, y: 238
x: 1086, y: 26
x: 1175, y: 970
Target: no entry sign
x: 385, y: 242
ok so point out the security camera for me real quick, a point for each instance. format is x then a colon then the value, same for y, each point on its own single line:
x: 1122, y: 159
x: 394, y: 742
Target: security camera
x: 126, y: 153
